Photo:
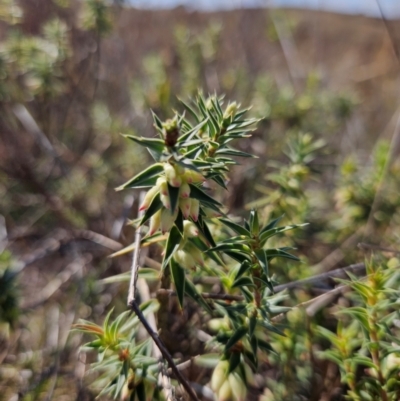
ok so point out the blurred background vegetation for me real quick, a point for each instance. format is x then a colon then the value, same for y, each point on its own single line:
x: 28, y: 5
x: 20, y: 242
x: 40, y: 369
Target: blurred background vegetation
x: 75, y: 74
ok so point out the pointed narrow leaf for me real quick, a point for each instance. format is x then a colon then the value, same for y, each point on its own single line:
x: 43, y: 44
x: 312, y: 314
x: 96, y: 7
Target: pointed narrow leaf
x: 234, y: 361
x: 155, y: 205
x: 154, y: 144
x: 236, y: 227
x: 197, y: 193
x: 242, y: 282
x: 262, y: 258
x: 244, y: 267
x: 173, y: 194
x: 202, y: 226
x: 190, y: 110
x: 254, y: 224
x: 142, y: 179
x: 272, y: 224
x: 178, y: 275
x: 157, y: 121
x: 279, y: 253
x: 233, y: 152
x: 179, y: 222
x: 174, y: 239
x: 192, y: 292
x: 236, y: 336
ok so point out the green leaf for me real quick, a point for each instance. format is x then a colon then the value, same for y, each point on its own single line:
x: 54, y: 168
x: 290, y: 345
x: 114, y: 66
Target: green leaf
x: 155, y: 205
x: 179, y: 222
x: 190, y: 110
x: 244, y: 267
x: 173, y: 242
x: 192, y: 292
x: 197, y: 193
x: 359, y: 314
x: 243, y: 281
x: 363, y: 360
x: 141, y: 391
x: 279, y: 253
x: 144, y: 179
x: 157, y: 121
x: 277, y: 230
x: 262, y: 258
x: 202, y: 226
x: 266, y: 324
x: 234, y: 361
x: 272, y: 224
x: 155, y: 144
x: 233, y: 152
x: 178, y: 275
x: 239, y: 256
x: 236, y: 336
x: 236, y: 227
x: 173, y: 194
x: 254, y: 224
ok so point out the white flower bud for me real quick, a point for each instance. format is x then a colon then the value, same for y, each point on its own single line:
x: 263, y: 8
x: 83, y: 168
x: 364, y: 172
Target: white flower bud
x: 249, y: 375
x: 155, y: 222
x: 180, y: 170
x: 193, y: 177
x: 151, y: 193
x: 237, y: 386
x: 167, y: 220
x: 195, y: 253
x: 194, y: 209
x: 184, y: 259
x: 171, y: 175
x: 184, y: 190
x: 162, y: 185
x: 219, y: 375
x: 165, y: 201
x: 225, y: 392
x: 190, y: 229
x: 184, y: 205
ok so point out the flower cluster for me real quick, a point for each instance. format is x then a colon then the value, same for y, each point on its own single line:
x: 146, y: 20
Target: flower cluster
x: 231, y: 385
x: 174, y: 176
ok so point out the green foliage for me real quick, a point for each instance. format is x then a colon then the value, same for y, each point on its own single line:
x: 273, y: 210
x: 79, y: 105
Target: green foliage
x: 126, y: 365
x: 367, y: 336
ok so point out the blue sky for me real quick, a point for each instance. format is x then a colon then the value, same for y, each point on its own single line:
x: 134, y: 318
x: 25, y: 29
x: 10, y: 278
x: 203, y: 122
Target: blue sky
x: 391, y: 8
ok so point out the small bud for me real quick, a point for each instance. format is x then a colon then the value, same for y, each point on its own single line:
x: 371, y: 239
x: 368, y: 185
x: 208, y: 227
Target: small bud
x: 231, y: 110
x: 219, y: 375
x: 167, y: 220
x: 155, y: 222
x: 189, y: 229
x: 151, y: 193
x: 193, y: 177
x: 210, y: 213
x: 237, y: 386
x: 194, y: 209
x: 180, y: 170
x: 171, y: 131
x: 215, y: 324
x: 225, y: 392
x: 184, y: 259
x: 172, y: 176
x: 165, y: 201
x: 162, y: 185
x: 184, y: 205
x: 196, y: 254
x: 249, y: 375
x: 184, y: 190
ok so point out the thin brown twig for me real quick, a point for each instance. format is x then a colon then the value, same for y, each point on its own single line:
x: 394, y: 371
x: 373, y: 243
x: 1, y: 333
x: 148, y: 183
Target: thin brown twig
x: 135, y: 308
x: 135, y: 259
x: 363, y: 245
